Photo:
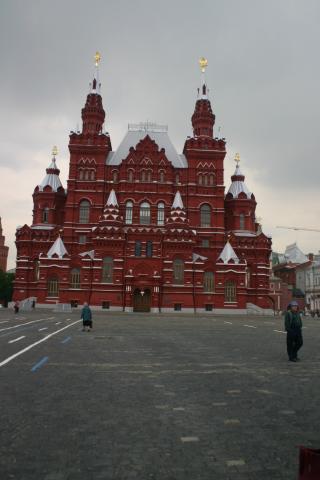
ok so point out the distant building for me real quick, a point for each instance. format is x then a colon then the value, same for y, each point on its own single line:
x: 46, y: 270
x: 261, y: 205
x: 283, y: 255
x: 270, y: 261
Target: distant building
x: 143, y: 227
x: 3, y: 251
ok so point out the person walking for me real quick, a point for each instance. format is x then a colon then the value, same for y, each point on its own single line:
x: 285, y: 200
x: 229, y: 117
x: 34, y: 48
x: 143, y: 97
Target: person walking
x: 293, y: 327
x: 86, y: 316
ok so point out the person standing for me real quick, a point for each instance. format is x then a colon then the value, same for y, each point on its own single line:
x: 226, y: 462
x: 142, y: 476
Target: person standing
x: 293, y: 327
x: 86, y: 316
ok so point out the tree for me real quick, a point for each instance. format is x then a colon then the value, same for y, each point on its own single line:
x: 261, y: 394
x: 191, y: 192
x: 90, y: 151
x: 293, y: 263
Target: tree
x: 6, y: 287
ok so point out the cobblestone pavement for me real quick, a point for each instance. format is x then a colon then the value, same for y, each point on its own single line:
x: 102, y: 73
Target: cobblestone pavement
x: 154, y: 397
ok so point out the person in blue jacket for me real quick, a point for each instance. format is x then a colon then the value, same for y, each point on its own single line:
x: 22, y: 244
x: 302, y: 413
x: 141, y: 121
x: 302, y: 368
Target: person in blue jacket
x: 293, y: 326
x: 86, y: 316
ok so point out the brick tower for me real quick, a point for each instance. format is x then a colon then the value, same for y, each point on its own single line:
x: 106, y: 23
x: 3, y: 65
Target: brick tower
x: 3, y: 251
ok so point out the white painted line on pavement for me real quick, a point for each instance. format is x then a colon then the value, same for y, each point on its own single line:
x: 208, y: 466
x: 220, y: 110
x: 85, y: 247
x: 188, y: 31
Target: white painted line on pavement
x: 7, y: 360
x: 279, y: 331
x: 230, y: 323
x: 57, y: 323
x: 249, y: 326
x: 23, y: 324
x: 4, y: 321
x: 43, y: 328
x: 17, y: 339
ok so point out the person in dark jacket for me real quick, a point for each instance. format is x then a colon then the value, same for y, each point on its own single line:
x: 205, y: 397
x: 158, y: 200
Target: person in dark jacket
x: 293, y: 326
x: 86, y: 316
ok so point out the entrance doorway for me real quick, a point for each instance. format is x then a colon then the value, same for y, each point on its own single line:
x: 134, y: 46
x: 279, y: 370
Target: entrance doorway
x: 141, y: 300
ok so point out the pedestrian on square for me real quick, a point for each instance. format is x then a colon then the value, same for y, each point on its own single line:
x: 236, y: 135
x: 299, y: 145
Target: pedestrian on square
x: 16, y: 307
x: 293, y: 327
x: 86, y: 316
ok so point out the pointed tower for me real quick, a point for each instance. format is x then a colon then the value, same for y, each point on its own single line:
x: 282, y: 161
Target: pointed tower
x: 3, y: 251
x: 178, y: 215
x: 240, y: 204
x: 49, y: 197
x: 111, y: 214
x: 203, y: 119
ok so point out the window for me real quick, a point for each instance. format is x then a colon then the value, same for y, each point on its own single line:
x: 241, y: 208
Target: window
x: 36, y: 267
x: 248, y: 278
x: 145, y: 213
x: 178, y: 271
x: 200, y: 179
x: 177, y: 178
x: 115, y: 176
x: 81, y: 175
x: 143, y: 176
x: 84, y: 211
x: 205, y: 178
x: 82, y: 239
x: 160, y: 217
x: 205, y: 214
x: 53, y: 287
x: 45, y: 215
x: 149, y: 249
x: 149, y: 176
x: 93, y: 174
x: 208, y: 307
x: 106, y: 305
x: 137, y: 249
x: 86, y: 175
x: 177, y: 307
x: 230, y: 291
x: 161, y: 176
x: 211, y: 180
x: 208, y: 284
x: 242, y: 221
x: 129, y: 211
x: 75, y: 278
x: 107, y: 270
x: 205, y: 243
x: 130, y: 176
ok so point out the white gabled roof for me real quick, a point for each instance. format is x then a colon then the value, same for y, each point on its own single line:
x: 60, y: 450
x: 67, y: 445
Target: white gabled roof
x: 112, y: 200
x: 228, y: 254
x: 177, y: 202
x: 51, y: 179
x: 238, y: 186
x: 133, y: 137
x: 57, y: 248
x: 293, y: 254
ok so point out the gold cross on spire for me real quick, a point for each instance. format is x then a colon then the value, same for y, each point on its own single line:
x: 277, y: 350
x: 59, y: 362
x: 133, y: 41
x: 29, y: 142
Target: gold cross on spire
x: 97, y: 58
x: 203, y: 62
x: 54, y: 151
x: 237, y: 159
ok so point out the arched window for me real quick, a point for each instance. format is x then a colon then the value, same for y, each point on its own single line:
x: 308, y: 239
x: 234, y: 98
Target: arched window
x: 230, y: 291
x: 130, y: 176
x: 86, y: 175
x: 205, y: 215
x: 45, y: 215
x: 177, y: 178
x: 145, y: 215
x: 81, y: 174
x: 137, y: 249
x: 53, y: 287
x: 149, y: 249
x: 161, y: 176
x: 75, y: 278
x: 84, y: 211
x: 205, y: 179
x: 129, y: 211
x: 143, y: 176
x: 93, y: 174
x: 208, y: 284
x: 178, y: 271
x: 160, y: 216
x: 107, y: 270
x: 242, y: 221
x: 36, y: 267
x: 200, y: 178
x: 149, y: 176
x: 211, y: 179
x: 115, y: 176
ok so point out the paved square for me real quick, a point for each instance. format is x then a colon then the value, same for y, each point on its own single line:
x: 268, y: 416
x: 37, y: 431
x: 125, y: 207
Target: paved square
x: 172, y: 397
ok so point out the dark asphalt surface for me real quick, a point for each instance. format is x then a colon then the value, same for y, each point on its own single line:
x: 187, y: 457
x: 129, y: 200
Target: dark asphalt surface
x: 142, y: 396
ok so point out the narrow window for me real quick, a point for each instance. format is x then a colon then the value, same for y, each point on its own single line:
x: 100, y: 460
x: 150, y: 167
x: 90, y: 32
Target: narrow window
x: 230, y: 291
x: 45, y: 215
x: 53, y: 287
x: 160, y: 217
x: 107, y: 270
x: 82, y: 239
x: 205, y: 243
x: 129, y: 211
x: 81, y: 175
x: 177, y: 178
x: 143, y: 176
x: 161, y: 176
x: 93, y: 174
x: 149, y: 249
x: 115, y: 177
x: 145, y: 215
x: 75, y: 278
x: 206, y: 179
x: 208, y: 282
x: 149, y: 176
x: 205, y: 214
x: 137, y: 249
x: 130, y: 176
x: 200, y: 179
x: 84, y: 211
x: 242, y: 221
x: 211, y: 178
x: 178, y: 271
x: 86, y: 175
x: 36, y: 270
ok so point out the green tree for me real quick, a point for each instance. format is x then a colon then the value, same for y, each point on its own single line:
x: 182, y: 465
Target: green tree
x: 6, y: 287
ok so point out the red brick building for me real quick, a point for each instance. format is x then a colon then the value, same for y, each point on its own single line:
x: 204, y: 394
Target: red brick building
x: 3, y: 251
x: 144, y: 227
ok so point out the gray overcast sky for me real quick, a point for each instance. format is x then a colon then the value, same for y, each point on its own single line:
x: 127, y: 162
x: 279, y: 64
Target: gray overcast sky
x: 263, y: 77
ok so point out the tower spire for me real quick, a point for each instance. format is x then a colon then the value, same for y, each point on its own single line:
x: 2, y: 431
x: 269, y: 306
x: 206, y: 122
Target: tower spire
x: 96, y: 85
x: 203, y: 119
x: 93, y: 114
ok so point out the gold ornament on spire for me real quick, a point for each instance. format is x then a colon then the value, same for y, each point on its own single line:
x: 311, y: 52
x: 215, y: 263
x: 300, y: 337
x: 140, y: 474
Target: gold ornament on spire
x: 237, y: 158
x: 97, y: 58
x: 203, y: 62
x: 54, y: 151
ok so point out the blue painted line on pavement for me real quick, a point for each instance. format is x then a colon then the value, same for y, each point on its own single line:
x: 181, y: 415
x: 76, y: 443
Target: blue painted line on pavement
x: 39, y: 364
x: 67, y: 339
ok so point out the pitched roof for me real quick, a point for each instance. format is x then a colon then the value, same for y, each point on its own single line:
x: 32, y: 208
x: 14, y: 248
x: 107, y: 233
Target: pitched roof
x: 112, y: 199
x: 177, y: 202
x: 228, y: 254
x: 52, y: 177
x: 238, y: 186
x: 57, y: 248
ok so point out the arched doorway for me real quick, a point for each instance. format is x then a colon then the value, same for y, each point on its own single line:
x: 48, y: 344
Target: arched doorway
x: 141, y: 300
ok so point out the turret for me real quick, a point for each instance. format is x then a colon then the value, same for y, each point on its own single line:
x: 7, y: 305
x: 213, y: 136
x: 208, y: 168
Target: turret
x: 203, y: 119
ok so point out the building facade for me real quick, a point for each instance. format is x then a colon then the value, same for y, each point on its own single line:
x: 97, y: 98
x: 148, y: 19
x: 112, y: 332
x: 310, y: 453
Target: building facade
x: 4, y: 250
x: 143, y: 227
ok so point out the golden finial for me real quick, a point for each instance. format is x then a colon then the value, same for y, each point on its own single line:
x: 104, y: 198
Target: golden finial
x: 97, y: 58
x: 237, y: 159
x: 54, y: 151
x: 203, y: 62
